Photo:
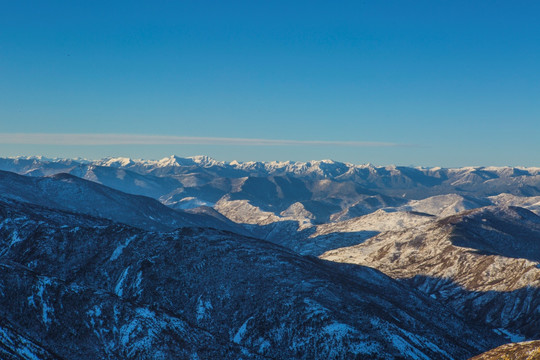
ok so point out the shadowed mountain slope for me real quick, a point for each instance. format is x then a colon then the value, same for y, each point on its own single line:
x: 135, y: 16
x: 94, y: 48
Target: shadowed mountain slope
x: 68, y: 192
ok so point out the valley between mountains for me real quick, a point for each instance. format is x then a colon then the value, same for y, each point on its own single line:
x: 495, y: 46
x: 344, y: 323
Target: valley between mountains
x: 194, y: 258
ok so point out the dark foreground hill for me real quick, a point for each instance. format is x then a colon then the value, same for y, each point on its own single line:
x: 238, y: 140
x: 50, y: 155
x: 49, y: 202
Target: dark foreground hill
x: 75, y: 287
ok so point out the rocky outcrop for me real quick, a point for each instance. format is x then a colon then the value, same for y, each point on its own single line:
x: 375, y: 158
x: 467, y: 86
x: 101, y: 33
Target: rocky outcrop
x: 529, y: 350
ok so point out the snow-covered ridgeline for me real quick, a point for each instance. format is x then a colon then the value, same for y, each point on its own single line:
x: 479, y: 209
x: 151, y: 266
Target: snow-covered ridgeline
x: 325, y: 168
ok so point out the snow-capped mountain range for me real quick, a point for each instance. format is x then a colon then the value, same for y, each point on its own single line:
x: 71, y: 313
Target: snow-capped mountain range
x: 316, y: 191
x: 316, y: 169
x: 194, y: 257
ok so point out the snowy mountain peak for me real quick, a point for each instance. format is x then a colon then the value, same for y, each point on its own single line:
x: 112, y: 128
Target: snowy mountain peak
x: 33, y: 157
x: 324, y: 161
x: 118, y: 162
x: 206, y: 161
x: 175, y: 160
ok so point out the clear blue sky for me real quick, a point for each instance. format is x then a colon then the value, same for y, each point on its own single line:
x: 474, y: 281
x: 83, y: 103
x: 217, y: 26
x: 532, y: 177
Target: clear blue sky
x: 448, y: 83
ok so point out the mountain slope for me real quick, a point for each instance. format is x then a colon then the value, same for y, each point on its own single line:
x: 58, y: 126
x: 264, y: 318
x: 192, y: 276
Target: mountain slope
x: 14, y: 346
x: 482, y: 262
x: 67, y: 192
x: 444, y: 205
x: 134, y: 294
x: 314, y: 240
x: 529, y: 350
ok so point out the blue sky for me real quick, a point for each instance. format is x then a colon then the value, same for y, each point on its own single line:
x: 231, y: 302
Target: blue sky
x: 449, y: 83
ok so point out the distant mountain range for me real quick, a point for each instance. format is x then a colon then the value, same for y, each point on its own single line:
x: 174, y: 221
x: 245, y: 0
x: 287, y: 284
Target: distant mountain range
x: 197, y: 258
x: 316, y: 192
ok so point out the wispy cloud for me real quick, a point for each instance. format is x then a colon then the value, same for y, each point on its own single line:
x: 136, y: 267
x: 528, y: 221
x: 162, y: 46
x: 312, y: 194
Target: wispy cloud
x: 132, y: 139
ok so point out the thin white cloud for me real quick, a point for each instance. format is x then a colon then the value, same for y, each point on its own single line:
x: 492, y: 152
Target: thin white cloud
x: 132, y: 139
